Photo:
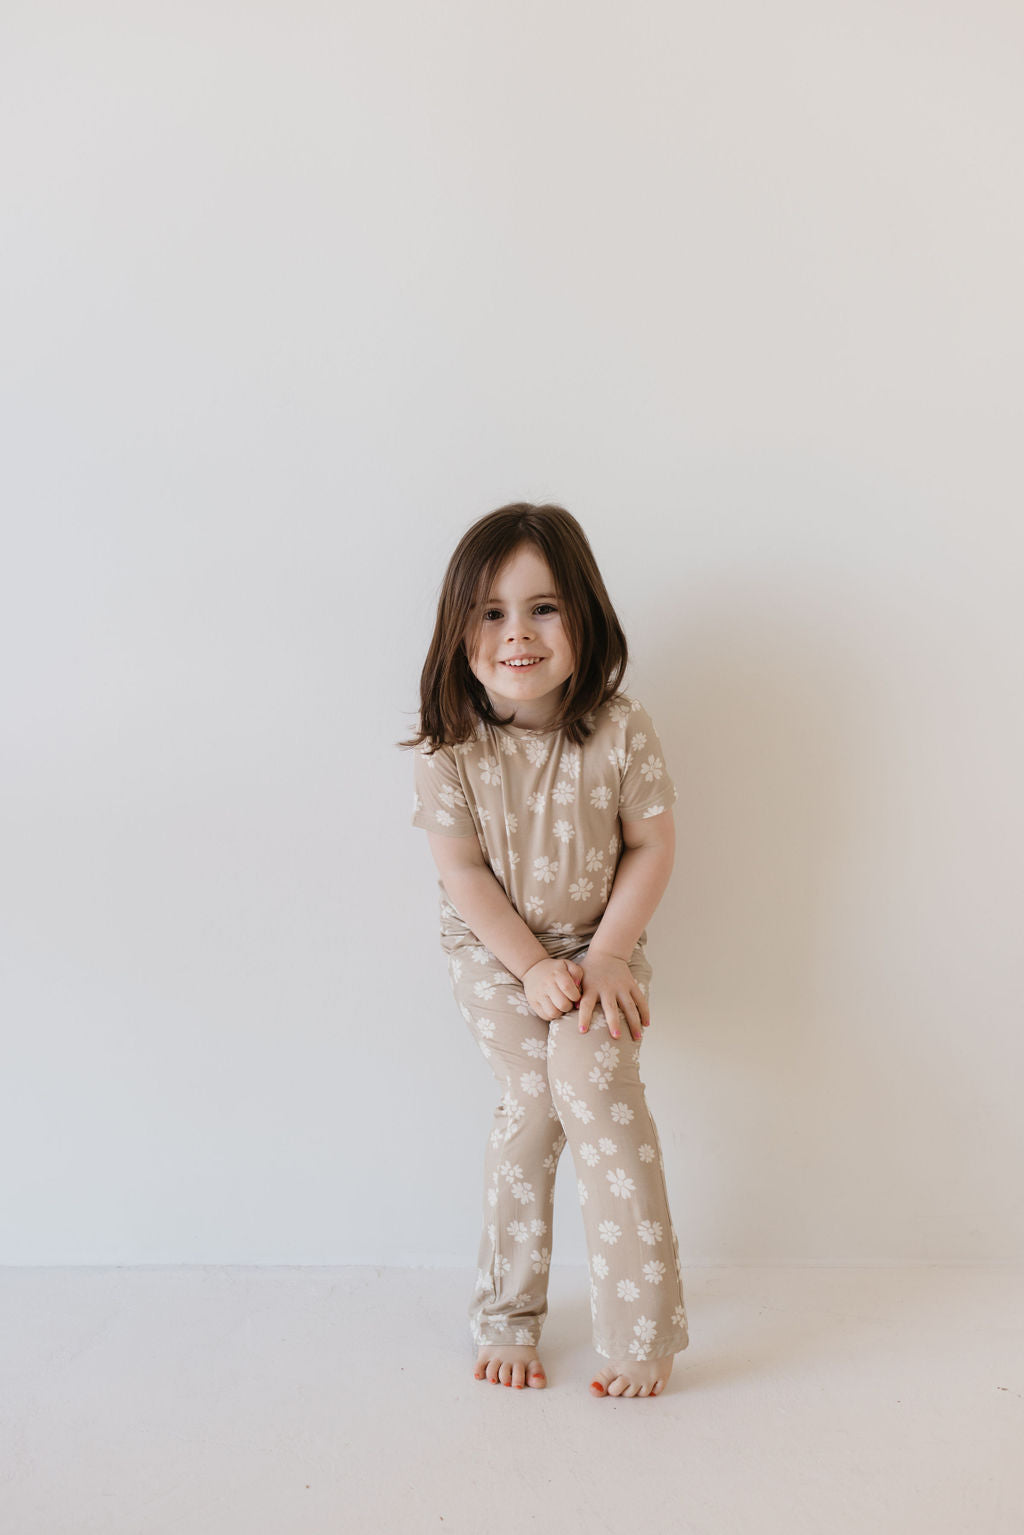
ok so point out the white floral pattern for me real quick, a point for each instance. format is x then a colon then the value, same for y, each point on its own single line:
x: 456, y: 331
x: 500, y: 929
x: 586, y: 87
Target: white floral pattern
x: 546, y: 810
x: 545, y: 813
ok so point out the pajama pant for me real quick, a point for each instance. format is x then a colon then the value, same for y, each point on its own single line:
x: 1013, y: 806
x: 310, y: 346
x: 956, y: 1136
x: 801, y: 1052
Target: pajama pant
x: 557, y: 1085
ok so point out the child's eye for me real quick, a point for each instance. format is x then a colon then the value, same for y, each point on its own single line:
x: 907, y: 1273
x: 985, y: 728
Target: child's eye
x: 492, y: 614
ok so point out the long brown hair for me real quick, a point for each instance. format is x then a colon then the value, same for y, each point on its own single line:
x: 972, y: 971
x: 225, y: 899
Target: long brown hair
x: 452, y: 701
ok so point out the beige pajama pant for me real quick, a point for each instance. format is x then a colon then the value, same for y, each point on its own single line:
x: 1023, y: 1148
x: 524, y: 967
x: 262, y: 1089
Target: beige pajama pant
x: 560, y: 1085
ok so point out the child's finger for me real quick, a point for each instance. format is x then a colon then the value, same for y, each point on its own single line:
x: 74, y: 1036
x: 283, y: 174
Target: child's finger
x: 631, y: 1013
x: 568, y: 986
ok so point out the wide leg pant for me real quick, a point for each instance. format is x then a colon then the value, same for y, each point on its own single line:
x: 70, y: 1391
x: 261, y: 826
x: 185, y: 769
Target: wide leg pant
x: 557, y: 1085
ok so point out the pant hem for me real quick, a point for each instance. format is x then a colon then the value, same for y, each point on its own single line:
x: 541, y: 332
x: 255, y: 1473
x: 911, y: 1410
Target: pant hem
x: 663, y: 1350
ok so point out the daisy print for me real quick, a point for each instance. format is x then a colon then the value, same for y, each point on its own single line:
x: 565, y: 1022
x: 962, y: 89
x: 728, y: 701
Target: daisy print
x: 652, y: 768
x: 565, y: 831
x: 608, y: 1147
x: 563, y: 793
x: 511, y: 823
x: 609, y: 1232
x: 490, y: 772
x: 654, y: 1271
x: 621, y: 1113
x: 649, y: 1232
x: 532, y: 1083
x: 589, y: 1154
x: 581, y: 889
x: 627, y: 1290
x: 541, y: 1259
x: 645, y: 1329
x: 515, y: 1111
x: 595, y: 858
x: 620, y: 1185
x: 536, y: 750
x: 599, y: 1264
x: 545, y: 868
x: 536, y: 802
x: 601, y: 797
x: 645, y: 1152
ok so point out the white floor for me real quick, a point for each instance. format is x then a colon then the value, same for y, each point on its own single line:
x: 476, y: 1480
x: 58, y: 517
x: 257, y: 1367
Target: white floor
x: 285, y: 1401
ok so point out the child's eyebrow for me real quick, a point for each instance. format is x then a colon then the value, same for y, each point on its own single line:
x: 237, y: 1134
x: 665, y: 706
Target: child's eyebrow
x: 497, y: 602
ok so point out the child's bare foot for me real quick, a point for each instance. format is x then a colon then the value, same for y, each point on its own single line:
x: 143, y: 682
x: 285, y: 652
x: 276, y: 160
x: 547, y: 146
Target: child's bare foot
x: 512, y: 1365
x: 633, y: 1377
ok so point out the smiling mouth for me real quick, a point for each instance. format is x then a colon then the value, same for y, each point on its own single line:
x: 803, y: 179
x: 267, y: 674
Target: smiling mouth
x: 522, y: 666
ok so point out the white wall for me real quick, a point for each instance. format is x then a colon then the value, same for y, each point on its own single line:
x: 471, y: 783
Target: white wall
x: 293, y: 293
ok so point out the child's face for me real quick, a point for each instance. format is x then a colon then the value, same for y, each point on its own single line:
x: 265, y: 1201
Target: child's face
x: 522, y: 617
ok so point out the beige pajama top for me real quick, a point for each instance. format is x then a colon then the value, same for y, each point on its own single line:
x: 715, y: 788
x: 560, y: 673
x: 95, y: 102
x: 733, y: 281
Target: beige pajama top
x: 546, y: 811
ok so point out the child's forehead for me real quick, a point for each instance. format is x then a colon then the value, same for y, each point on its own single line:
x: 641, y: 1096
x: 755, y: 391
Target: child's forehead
x: 524, y: 568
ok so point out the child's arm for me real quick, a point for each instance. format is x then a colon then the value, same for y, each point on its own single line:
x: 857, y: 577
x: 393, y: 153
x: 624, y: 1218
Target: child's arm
x: 550, y: 984
x: 640, y: 882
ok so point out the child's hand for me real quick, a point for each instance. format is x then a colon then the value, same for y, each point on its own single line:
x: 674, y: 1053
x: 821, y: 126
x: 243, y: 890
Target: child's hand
x: 552, y: 987
x: 609, y: 980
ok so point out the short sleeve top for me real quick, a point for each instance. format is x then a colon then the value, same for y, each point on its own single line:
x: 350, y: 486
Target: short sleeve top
x: 546, y: 811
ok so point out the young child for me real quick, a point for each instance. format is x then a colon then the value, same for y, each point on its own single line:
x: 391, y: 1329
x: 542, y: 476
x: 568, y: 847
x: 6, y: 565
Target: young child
x: 547, y: 805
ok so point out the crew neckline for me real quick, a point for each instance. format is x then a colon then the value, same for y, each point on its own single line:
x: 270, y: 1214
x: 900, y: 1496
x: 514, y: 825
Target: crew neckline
x: 529, y: 730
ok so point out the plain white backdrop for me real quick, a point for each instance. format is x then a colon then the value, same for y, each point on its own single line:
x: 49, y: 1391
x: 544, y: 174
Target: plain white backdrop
x: 293, y: 293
